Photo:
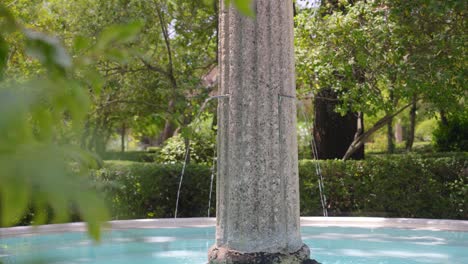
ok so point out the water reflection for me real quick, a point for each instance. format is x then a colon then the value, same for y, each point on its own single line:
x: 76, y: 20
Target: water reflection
x: 189, y: 245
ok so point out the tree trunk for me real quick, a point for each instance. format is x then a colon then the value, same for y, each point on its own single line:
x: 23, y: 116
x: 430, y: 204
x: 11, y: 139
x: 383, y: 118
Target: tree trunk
x: 100, y: 144
x: 390, y: 137
x: 333, y: 133
x: 443, y: 118
x: 123, y: 132
x: 360, y: 152
x: 390, y: 134
x: 412, y: 128
x: 214, y: 124
x: 84, y: 142
x: 99, y: 135
x: 168, y: 132
x: 169, y: 126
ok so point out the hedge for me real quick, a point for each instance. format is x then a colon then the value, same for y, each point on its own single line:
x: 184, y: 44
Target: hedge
x: 389, y: 186
x: 138, y: 156
x: 396, y: 186
x: 149, y: 190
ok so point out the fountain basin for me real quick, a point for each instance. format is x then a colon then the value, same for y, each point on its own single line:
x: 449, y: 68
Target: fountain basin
x: 331, y: 240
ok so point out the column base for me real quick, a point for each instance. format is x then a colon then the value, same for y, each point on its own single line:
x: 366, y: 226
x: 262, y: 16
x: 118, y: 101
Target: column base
x: 226, y: 256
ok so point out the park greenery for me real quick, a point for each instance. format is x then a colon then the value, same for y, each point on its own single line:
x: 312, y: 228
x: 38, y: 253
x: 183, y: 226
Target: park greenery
x: 382, y: 57
x: 372, y: 187
x: 78, y: 76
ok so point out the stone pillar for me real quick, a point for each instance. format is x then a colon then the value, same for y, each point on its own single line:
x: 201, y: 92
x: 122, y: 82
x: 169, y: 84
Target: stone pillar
x: 257, y: 187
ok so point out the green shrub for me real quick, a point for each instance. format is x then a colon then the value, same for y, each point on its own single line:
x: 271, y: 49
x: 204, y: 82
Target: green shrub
x: 425, y: 129
x: 454, y: 135
x: 148, y: 190
x: 388, y: 186
x: 153, y: 149
x: 422, y: 147
x: 201, y: 150
x: 378, y: 144
x: 138, y: 156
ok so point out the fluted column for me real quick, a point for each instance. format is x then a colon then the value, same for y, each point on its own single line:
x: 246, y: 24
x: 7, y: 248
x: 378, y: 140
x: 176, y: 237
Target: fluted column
x: 257, y: 186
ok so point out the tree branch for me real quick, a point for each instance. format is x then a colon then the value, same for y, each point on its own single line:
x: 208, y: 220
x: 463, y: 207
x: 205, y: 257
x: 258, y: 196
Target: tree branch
x: 170, y: 66
x: 155, y: 68
x: 359, y: 141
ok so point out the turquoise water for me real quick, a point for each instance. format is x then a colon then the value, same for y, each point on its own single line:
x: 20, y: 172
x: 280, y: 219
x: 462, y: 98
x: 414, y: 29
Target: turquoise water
x: 330, y: 245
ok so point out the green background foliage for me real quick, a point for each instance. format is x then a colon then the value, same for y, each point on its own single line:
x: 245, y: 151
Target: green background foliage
x: 60, y: 98
x: 379, y: 56
x: 38, y: 170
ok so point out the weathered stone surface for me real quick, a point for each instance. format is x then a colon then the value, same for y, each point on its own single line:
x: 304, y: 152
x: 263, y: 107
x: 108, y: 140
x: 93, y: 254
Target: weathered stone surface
x: 225, y: 256
x: 257, y: 186
x: 310, y: 261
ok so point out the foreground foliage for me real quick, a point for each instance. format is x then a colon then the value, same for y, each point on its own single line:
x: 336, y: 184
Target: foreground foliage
x: 38, y: 169
x: 45, y: 96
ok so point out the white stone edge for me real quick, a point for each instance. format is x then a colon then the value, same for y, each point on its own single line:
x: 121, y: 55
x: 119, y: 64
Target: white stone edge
x: 360, y: 222
x: 400, y: 223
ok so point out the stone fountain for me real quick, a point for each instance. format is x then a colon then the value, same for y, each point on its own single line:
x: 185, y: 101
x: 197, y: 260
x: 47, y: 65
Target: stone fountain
x: 257, y: 188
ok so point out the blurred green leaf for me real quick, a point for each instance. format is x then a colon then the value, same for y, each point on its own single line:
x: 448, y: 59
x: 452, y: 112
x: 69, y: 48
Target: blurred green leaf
x: 208, y: 2
x: 81, y: 43
x: 37, y: 171
x: 7, y: 20
x: 117, y: 55
x: 118, y: 34
x: 187, y: 132
x: 47, y: 50
x: 14, y: 195
x: 3, y: 56
x: 244, y: 6
x: 45, y: 124
x: 94, y: 215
